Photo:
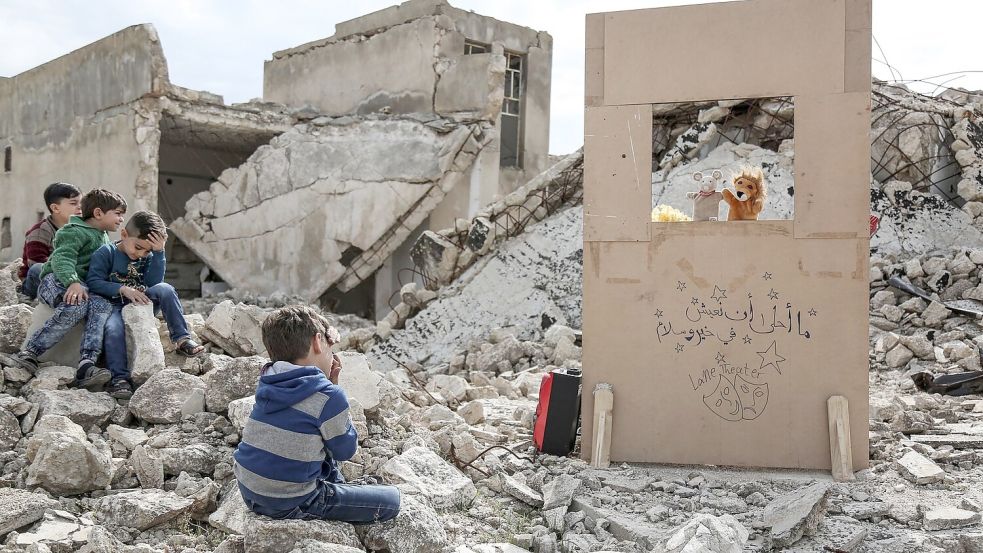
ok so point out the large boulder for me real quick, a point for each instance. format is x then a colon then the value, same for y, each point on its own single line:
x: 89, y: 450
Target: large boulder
x: 83, y: 407
x: 230, y: 379
x: 14, y: 320
x: 167, y: 396
x: 63, y: 460
x: 144, y: 351
x: 195, y: 458
x: 141, y: 509
x: 20, y: 507
x: 419, y: 470
x: 416, y: 529
x: 236, y: 328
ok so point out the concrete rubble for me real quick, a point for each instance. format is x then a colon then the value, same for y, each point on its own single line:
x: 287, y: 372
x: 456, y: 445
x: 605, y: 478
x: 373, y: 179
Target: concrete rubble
x: 444, y: 387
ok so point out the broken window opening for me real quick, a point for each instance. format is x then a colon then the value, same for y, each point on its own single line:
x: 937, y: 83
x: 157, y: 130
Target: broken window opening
x: 472, y: 47
x: 723, y: 160
x: 512, y: 116
x: 6, y: 239
x: 8, y: 155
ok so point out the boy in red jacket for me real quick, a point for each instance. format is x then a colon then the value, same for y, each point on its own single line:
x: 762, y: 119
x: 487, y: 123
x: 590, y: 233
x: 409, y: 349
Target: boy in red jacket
x: 63, y: 201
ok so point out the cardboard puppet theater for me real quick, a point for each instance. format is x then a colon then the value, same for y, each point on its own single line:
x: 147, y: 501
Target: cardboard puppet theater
x: 723, y: 340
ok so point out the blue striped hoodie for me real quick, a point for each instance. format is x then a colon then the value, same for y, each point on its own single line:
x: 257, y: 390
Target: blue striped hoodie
x: 299, y: 427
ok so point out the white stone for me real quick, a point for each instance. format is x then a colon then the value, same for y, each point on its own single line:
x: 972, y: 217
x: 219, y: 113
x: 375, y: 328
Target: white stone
x: 129, y: 438
x: 66, y: 351
x: 167, y: 396
x: 142, y: 509
x: 451, y: 387
x: 565, y: 350
x: 83, y: 407
x: 919, y: 469
x: 419, y: 470
x: 358, y: 380
x: 708, y: 534
x: 796, y: 513
x: 14, y: 320
x: 232, y: 515
x: 898, y: 357
x: 236, y: 328
x: 935, y: 314
x: 148, y: 467
x: 415, y: 529
x: 472, y: 412
x: 10, y: 432
x: 559, y: 491
x: 265, y: 535
x: 20, y: 507
x: 239, y: 411
x: 946, y: 518
x: 232, y: 379
x: 144, y: 351
x: 521, y: 491
x: 557, y: 332
x: 62, y: 459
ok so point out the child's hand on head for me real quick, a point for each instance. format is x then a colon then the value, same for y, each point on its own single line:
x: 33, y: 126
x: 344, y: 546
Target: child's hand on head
x: 157, y: 241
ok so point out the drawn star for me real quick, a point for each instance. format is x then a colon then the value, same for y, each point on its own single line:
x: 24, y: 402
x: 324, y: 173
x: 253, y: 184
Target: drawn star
x: 721, y: 357
x: 773, y: 294
x: 695, y: 301
x: 749, y: 296
x: 658, y: 313
x: 679, y: 348
x: 718, y: 294
x: 812, y: 313
x: 770, y: 357
x: 680, y: 285
x: 747, y: 339
x: 767, y: 276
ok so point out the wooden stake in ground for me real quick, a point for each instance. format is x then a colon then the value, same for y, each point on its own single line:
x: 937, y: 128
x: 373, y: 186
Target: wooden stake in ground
x: 603, y: 420
x: 839, y: 438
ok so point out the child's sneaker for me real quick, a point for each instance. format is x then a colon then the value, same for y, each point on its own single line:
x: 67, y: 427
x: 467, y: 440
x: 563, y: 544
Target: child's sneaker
x: 91, y: 377
x: 20, y: 359
x: 120, y: 389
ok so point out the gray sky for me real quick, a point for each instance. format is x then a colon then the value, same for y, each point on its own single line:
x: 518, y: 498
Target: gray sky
x: 220, y: 45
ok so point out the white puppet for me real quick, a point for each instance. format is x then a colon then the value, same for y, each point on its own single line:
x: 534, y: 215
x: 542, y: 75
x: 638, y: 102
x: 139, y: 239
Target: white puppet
x: 706, y: 201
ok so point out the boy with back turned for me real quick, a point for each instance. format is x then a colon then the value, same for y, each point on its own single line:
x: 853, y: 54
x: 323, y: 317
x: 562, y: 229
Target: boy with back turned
x: 300, y: 428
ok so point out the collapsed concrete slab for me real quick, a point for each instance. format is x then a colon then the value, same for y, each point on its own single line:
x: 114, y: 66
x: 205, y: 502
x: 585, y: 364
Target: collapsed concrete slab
x: 350, y: 185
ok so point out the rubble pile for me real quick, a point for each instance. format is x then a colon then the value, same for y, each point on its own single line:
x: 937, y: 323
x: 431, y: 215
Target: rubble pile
x: 443, y: 395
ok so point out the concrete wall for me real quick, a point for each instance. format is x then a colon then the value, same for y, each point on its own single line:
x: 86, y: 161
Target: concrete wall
x: 75, y: 119
x: 410, y: 58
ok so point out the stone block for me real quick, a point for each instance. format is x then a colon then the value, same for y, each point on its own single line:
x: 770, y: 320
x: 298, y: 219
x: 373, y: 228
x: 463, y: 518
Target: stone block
x: 947, y: 518
x: 795, y: 514
x: 167, y: 396
x: 415, y: 529
x: 20, y: 507
x: 420, y: 471
x: 233, y: 379
x: 65, y: 352
x: 14, y: 320
x: 359, y: 380
x: 708, y: 533
x: 142, y: 509
x: 920, y: 469
x: 83, y: 407
x: 144, y: 352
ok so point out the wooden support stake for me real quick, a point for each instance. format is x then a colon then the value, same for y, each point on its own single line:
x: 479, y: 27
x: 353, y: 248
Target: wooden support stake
x: 840, y: 452
x: 603, y: 420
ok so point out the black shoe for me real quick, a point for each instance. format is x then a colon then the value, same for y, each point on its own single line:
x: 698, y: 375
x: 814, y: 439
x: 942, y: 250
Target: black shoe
x: 20, y: 359
x: 120, y: 389
x: 91, y: 377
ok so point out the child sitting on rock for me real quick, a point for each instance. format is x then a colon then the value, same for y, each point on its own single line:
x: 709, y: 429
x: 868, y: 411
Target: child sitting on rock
x: 62, y: 200
x: 132, y: 271
x: 62, y: 288
x: 300, y: 428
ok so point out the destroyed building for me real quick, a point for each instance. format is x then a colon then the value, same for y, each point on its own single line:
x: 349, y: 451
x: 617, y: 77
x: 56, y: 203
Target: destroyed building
x: 319, y: 189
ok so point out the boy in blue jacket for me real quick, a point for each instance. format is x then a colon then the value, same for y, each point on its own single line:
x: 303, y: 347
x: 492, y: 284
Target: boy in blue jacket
x: 132, y: 270
x: 300, y: 428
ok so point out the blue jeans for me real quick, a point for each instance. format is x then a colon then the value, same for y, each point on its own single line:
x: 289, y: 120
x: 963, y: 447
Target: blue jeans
x: 336, y: 500
x: 165, y: 301
x: 95, y: 311
x: 30, y: 285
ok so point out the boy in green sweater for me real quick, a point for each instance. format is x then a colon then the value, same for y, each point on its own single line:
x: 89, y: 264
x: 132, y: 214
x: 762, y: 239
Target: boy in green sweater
x: 62, y: 287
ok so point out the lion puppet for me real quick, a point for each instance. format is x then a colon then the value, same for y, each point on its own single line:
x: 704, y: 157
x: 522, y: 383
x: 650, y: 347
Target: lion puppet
x: 748, y: 198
